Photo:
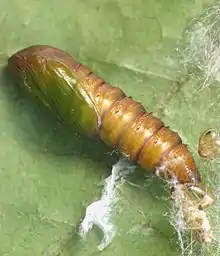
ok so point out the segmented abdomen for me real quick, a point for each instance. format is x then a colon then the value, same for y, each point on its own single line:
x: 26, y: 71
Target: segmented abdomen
x: 142, y: 137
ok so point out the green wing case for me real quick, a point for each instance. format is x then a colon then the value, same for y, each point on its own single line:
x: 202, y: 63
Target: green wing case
x: 51, y: 76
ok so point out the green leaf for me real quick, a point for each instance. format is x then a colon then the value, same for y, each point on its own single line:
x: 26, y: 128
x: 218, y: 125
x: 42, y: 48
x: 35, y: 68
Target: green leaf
x: 49, y: 174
